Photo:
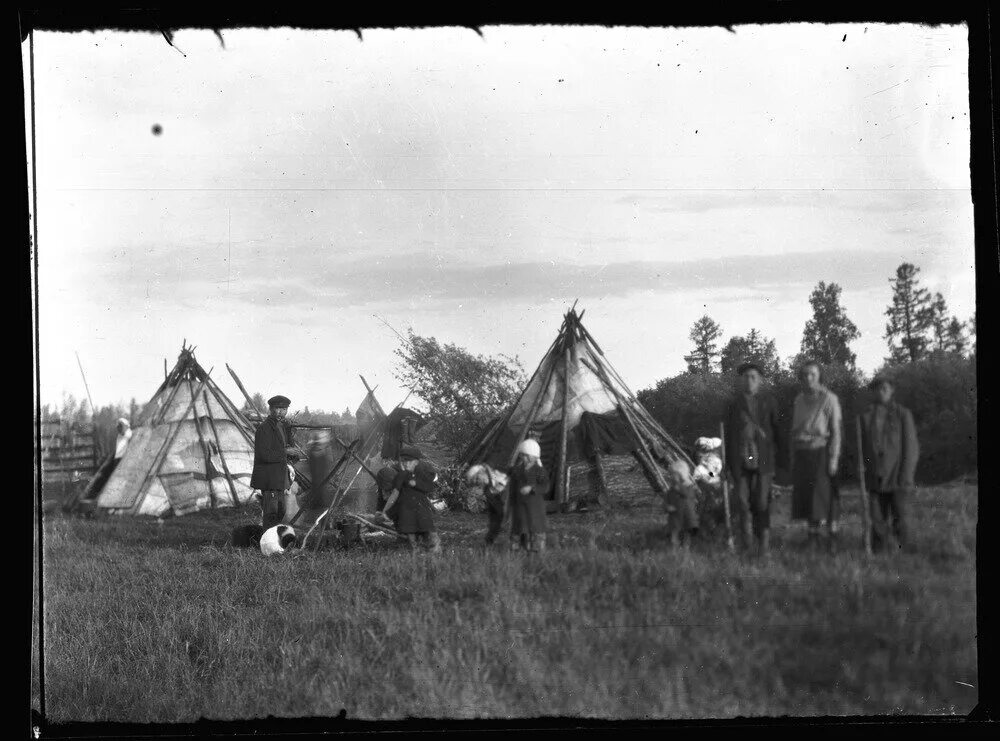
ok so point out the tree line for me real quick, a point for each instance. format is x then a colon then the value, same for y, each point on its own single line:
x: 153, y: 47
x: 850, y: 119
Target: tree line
x: 918, y: 324
x: 931, y: 358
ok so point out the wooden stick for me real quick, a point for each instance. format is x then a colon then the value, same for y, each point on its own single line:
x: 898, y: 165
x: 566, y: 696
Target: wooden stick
x: 175, y: 377
x: 532, y: 411
x: 358, y: 459
x: 562, y: 482
x: 222, y: 455
x: 504, y: 419
x: 243, y: 389
x: 371, y: 393
x: 602, y: 481
x: 161, y: 453
x: 205, y: 450
x: 730, y: 543
x: 626, y: 413
x: 866, y: 535
x: 605, y: 363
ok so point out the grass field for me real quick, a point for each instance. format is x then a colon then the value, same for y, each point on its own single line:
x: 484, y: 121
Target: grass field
x: 164, y: 622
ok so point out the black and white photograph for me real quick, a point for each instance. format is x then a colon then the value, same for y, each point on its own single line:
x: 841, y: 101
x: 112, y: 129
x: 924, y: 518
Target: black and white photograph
x: 502, y: 372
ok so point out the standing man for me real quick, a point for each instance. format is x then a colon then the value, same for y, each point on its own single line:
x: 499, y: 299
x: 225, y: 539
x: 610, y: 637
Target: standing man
x: 815, y: 451
x: 753, y: 445
x: 271, y: 452
x: 890, y: 448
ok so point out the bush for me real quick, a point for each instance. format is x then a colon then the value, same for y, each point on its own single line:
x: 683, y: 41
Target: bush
x: 941, y: 393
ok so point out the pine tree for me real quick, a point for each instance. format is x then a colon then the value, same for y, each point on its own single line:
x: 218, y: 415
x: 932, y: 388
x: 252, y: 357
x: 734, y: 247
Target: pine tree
x: 939, y: 321
x: 955, y: 339
x: 752, y: 347
x: 827, y: 336
x: 911, y: 316
x: 705, y: 333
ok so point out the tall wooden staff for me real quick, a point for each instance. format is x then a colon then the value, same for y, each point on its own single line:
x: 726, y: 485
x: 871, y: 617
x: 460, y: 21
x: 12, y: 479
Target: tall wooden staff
x: 730, y: 544
x: 866, y: 525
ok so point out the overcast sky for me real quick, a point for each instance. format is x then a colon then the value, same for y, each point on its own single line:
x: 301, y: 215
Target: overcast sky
x: 472, y: 188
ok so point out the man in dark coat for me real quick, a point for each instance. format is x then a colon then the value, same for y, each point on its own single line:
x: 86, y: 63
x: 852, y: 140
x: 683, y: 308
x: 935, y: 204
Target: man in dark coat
x: 753, y: 446
x: 890, y: 448
x: 271, y: 452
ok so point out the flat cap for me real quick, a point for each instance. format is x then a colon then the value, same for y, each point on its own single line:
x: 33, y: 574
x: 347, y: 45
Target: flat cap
x: 279, y: 401
x: 409, y: 453
x: 747, y: 366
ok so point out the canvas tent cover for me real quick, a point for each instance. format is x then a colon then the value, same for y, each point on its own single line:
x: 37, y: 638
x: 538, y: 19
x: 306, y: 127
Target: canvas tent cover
x: 179, y: 483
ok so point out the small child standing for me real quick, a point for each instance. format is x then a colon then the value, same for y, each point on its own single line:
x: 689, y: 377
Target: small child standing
x: 414, y: 514
x: 529, y: 481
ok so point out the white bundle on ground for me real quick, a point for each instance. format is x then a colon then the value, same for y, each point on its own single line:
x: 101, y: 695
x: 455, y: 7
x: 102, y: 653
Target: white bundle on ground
x: 708, y: 457
x: 277, y: 540
x: 486, y: 477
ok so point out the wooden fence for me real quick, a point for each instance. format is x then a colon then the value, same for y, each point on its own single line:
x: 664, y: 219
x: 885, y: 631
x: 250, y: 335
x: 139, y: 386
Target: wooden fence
x: 69, y: 457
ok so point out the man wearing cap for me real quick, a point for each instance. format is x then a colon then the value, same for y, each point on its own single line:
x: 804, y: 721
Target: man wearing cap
x: 271, y: 453
x: 414, y: 515
x: 753, y: 445
x: 528, y: 481
x: 890, y: 448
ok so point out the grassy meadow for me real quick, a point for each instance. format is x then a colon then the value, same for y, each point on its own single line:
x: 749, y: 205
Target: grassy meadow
x: 148, y: 621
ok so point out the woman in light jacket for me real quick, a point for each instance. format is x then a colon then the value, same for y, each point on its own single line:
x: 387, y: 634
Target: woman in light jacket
x: 816, y: 446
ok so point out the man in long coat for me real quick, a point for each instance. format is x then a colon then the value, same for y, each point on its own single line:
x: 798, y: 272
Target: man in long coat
x: 890, y: 448
x: 270, y: 461
x: 753, y: 446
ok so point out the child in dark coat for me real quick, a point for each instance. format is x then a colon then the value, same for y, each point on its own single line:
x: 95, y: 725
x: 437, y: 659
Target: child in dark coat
x: 414, y: 515
x: 529, y: 482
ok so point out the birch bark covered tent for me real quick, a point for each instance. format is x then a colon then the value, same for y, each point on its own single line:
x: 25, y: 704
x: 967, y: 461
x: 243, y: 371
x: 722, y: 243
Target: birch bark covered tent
x: 579, y: 409
x: 191, y: 449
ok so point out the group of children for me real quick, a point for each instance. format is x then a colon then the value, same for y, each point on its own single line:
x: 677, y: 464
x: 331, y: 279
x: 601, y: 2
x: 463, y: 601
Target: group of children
x: 405, y: 488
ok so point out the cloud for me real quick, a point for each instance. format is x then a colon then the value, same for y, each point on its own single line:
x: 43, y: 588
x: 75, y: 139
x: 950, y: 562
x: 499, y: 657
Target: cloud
x: 690, y: 201
x: 430, y: 280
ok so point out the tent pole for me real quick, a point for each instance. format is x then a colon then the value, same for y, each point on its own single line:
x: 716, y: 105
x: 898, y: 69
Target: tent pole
x: 562, y: 485
x: 603, y: 361
x: 522, y: 435
x: 222, y: 455
x: 161, y: 453
x: 626, y: 413
x: 175, y: 376
x: 602, y: 480
x: 205, y: 450
x: 642, y: 417
x: 504, y: 419
x: 531, y: 413
x: 242, y: 388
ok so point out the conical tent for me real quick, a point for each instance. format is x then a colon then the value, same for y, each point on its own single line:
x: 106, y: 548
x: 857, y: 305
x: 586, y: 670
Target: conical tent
x: 191, y: 449
x: 579, y: 409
